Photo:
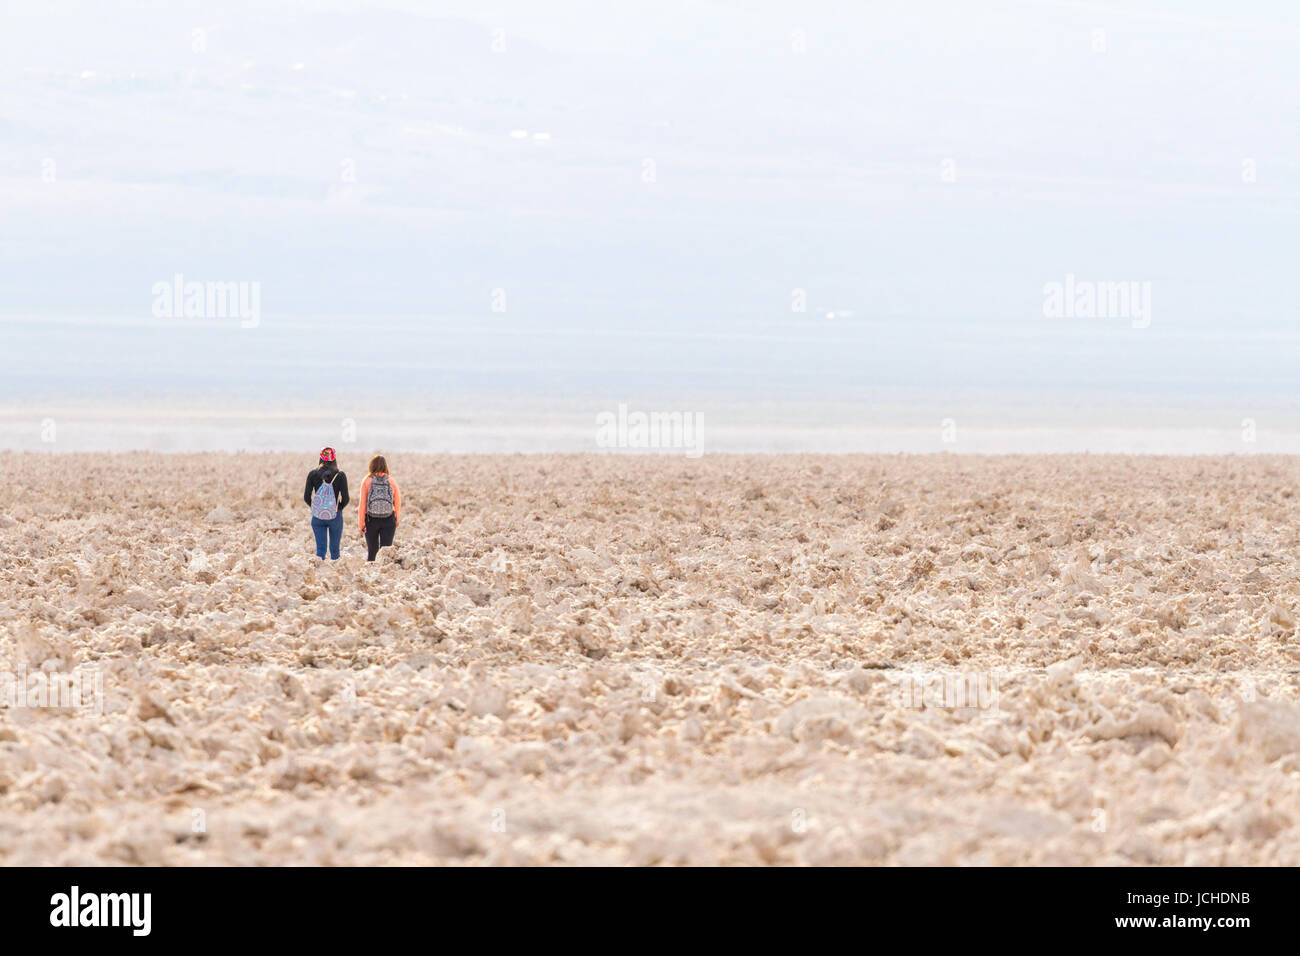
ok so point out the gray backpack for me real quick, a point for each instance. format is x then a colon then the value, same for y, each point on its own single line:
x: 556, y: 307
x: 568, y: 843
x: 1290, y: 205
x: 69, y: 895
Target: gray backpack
x: 379, y: 502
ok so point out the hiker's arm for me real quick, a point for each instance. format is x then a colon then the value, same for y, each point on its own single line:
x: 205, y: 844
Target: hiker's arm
x: 361, y: 508
x: 397, y: 503
x: 342, y: 490
x: 306, y: 491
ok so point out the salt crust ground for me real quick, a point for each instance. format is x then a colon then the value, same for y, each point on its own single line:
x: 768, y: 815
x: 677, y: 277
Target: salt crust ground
x: 654, y: 660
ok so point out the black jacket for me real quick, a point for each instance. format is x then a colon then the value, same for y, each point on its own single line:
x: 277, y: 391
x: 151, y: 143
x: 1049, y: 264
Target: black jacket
x: 323, y: 473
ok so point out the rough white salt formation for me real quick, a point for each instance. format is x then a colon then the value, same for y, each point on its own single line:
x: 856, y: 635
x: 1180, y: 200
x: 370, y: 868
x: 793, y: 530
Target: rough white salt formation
x: 654, y: 660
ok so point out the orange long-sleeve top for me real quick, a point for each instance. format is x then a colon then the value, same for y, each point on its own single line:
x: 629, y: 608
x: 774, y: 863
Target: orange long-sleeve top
x: 365, y: 497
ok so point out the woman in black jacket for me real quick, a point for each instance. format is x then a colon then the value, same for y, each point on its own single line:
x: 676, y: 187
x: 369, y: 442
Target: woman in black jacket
x: 327, y: 493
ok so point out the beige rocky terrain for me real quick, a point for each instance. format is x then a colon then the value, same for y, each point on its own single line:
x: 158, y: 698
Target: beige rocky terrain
x: 655, y: 660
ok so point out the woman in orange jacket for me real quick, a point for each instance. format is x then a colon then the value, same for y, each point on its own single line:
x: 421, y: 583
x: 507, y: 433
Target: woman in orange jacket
x: 381, y: 507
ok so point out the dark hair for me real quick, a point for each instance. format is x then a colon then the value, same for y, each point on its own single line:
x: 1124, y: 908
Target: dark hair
x: 379, y: 465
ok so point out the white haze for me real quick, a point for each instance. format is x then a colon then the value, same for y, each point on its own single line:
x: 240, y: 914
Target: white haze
x: 482, y: 224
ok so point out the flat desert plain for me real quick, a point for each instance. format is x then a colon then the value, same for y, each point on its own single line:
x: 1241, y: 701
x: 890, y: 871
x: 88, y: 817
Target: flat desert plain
x: 656, y: 660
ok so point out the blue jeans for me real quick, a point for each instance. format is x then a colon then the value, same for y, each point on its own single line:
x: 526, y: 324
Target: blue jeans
x: 333, y: 530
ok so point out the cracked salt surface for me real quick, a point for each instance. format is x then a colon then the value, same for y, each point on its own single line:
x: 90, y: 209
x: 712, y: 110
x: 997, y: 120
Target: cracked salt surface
x: 609, y: 659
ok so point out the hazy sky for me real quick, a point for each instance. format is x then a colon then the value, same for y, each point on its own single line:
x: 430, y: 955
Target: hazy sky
x: 631, y: 164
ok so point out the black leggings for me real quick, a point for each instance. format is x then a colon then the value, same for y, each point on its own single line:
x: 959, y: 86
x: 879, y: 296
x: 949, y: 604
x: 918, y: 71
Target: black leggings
x: 379, y: 534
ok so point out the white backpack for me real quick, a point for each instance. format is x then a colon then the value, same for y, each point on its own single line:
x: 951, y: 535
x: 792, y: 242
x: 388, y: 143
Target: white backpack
x: 324, y: 503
